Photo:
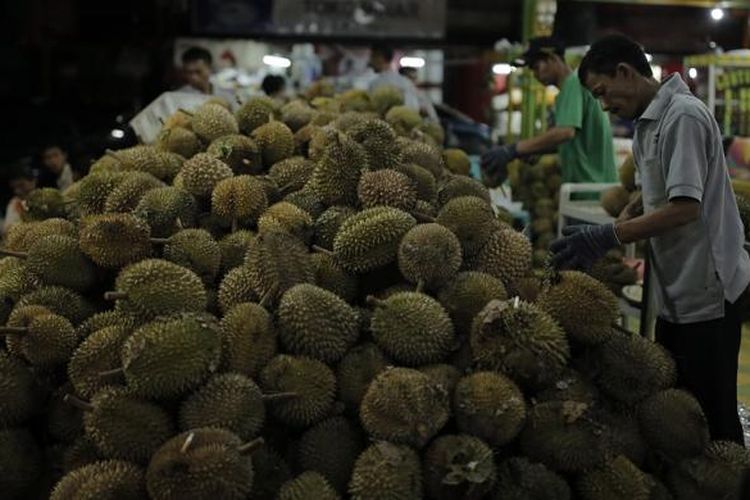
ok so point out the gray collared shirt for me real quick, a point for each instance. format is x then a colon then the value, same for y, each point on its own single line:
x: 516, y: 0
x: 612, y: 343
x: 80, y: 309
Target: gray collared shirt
x: 678, y: 151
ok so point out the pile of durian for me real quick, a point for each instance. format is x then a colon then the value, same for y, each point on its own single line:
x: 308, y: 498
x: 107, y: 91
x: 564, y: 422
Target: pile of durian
x: 313, y: 301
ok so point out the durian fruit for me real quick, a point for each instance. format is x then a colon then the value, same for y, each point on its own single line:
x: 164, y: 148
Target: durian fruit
x: 128, y: 193
x: 235, y: 288
x: 506, y: 255
x: 59, y: 300
x: 471, y: 220
x: 624, y: 435
x: 583, y: 306
x: 57, y: 260
x: 462, y: 186
x: 149, y: 159
x: 627, y: 173
x: 156, y: 287
x: 384, y: 97
x: 21, y: 462
x: 228, y: 401
x: 307, y: 200
x: 719, y: 472
x: 423, y: 180
x: 39, y: 336
x: 115, y: 240
x: 633, y: 367
x: 563, y: 436
x: 123, y: 426
x: 199, y: 464
x: 233, y: 248
x: 169, y: 357
x: 412, y: 328
x: 296, y: 114
x: 424, y: 155
x: 328, y: 224
x: 520, y: 340
x: 211, y: 121
x: 238, y: 151
x: 403, y: 119
x: 320, y: 140
x: 316, y: 323
x: 386, y: 187
x: 467, y: 294
x: 330, y: 448
x: 386, y: 470
x: 291, y: 174
x: 520, y: 479
x: 255, y: 112
x: 215, y: 225
x: 179, y: 140
x: 201, y: 173
x: 248, y: 339
x: 93, y: 190
x: 276, y: 261
x: 404, y: 406
x: 379, y: 141
x: 354, y: 100
x: 458, y: 466
x: 20, y: 394
x: 303, y: 137
x: 432, y: 130
x: 489, y: 406
x: 271, y: 472
x: 370, y: 238
x: 20, y: 237
x: 444, y: 375
x: 98, y: 353
x: 570, y: 385
x: 614, y: 200
x: 166, y: 210
x: 457, y: 161
x: 284, y: 216
x: 332, y: 277
x: 617, y: 479
x: 81, y: 452
x: 44, y: 203
x: 613, y: 272
x: 337, y: 172
x: 429, y: 255
x: 306, y: 486
x: 673, y: 424
x: 196, y: 250
x: 105, y: 480
x: 310, y: 384
x: 276, y: 142
x: 355, y: 372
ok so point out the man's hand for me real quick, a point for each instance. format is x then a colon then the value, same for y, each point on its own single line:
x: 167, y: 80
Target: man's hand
x: 582, y: 245
x: 494, y: 164
x: 632, y: 209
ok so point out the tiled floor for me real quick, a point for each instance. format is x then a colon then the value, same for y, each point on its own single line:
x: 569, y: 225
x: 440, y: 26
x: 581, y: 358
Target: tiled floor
x: 743, y: 380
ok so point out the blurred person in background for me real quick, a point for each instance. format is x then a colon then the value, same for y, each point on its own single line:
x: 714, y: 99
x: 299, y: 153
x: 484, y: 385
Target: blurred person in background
x: 274, y: 86
x: 22, y: 181
x: 381, y: 59
x: 197, y: 68
x: 57, y: 172
x: 425, y: 104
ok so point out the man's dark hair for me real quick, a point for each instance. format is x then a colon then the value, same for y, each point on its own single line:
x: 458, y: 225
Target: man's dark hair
x: 272, y: 84
x: 407, y: 70
x: 383, y: 50
x: 606, y: 53
x: 194, y: 54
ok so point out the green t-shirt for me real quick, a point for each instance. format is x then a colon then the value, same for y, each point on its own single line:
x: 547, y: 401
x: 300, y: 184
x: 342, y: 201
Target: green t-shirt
x: 589, y: 156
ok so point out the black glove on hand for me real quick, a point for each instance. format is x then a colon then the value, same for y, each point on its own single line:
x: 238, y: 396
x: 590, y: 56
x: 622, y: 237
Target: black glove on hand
x: 494, y: 164
x: 582, y: 245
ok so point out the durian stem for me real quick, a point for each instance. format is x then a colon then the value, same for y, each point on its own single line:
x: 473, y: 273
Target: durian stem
x: 235, y: 225
x: 318, y: 249
x: 115, y: 295
x: 251, y: 446
x: 420, y: 286
x: 159, y: 241
x: 189, y: 113
x: 266, y: 299
x: 178, y: 223
x: 11, y: 253
x: 188, y: 441
x: 421, y: 217
x: 280, y: 396
x: 371, y: 300
x: 283, y: 189
x: 111, y: 373
x: 78, y: 403
x: 13, y: 330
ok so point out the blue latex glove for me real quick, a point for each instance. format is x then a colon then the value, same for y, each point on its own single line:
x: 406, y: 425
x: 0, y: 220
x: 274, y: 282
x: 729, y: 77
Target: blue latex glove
x: 494, y: 164
x: 582, y: 245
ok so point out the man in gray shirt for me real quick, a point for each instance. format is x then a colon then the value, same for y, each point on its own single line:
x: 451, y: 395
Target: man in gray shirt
x: 687, y: 211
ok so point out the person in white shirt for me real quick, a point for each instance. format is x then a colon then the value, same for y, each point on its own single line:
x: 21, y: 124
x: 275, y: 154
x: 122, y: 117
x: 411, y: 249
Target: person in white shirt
x: 58, y: 170
x: 196, y: 70
x: 425, y: 104
x: 381, y: 58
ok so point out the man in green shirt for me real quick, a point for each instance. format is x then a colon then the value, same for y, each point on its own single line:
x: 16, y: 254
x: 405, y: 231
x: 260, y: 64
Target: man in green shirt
x: 582, y: 134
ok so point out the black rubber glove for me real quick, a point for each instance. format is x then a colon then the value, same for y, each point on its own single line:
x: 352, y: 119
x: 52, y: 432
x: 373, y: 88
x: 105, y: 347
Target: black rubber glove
x: 494, y: 164
x: 582, y: 245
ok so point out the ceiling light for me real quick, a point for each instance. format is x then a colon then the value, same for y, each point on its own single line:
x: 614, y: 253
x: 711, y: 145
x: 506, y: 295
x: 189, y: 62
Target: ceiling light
x: 276, y: 61
x: 411, y: 62
x: 717, y: 14
x: 693, y: 73
x: 502, y: 69
x: 117, y: 133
